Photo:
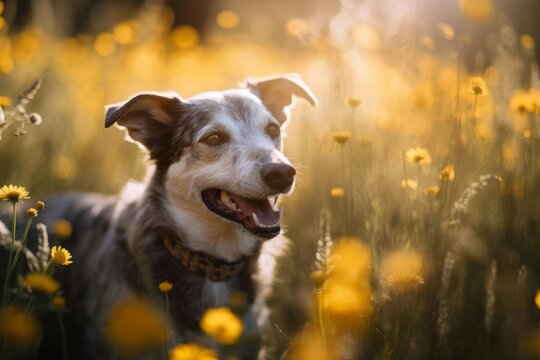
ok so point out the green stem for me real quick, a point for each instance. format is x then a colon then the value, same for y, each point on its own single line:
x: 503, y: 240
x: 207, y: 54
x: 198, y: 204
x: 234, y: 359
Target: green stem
x: 346, y: 198
x: 474, y: 106
x: 419, y: 178
x: 457, y: 138
x: 49, y: 267
x: 352, y: 167
x: 165, y: 344
x: 13, y: 235
x: 22, y: 243
x: 320, y: 316
x: 406, y: 183
x: 342, y: 165
x: 65, y: 354
x: 6, y: 279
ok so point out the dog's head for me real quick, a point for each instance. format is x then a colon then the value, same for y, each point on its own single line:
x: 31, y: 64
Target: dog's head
x: 220, y: 153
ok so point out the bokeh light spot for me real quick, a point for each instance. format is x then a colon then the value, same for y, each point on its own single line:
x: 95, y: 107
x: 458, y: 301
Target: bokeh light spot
x: 104, y: 44
x: 365, y: 36
x: 185, y: 36
x: 228, y: 19
x: 296, y: 26
x: 124, y: 33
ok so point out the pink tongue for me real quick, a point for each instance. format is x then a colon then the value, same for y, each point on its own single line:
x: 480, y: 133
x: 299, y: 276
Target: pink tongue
x: 262, y: 208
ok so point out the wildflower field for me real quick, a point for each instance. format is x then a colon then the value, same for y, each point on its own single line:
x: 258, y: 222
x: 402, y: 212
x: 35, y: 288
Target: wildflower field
x: 414, y: 227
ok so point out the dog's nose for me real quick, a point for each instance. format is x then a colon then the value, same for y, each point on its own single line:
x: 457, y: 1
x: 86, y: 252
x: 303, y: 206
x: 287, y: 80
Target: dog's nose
x: 278, y: 176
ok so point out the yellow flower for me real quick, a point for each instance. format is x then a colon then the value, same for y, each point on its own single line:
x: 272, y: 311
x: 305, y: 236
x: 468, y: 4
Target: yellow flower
x: 185, y: 36
x: 341, y: 137
x: 537, y: 298
x: 479, y: 11
x: 58, y: 302
x: 310, y: 346
x: 5, y: 101
x: 477, y: 86
x: 42, y: 283
x: 353, y: 102
x: 165, y: 287
x: 428, y: 42
x: 62, y: 228
x: 433, y: 191
x: 528, y: 133
x: 13, y: 193
x: 350, y: 260
x: 447, y: 173
x: 418, y: 155
x: 104, y: 44
x: 337, y: 192
x: 527, y: 42
x: 523, y: 101
x: 191, y: 352
x: 403, y: 269
x: 123, y: 33
x: 446, y: 30
x: 136, y: 314
x: 222, y: 324
x: 346, y: 305
x: 18, y: 328
x: 32, y: 212
x: 40, y: 205
x: 409, y: 184
x: 60, y: 255
x: 296, y: 26
x: 228, y: 19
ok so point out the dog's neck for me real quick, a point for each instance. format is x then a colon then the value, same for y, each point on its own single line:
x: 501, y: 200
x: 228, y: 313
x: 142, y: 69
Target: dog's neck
x: 198, y: 229
x: 192, y: 293
x: 203, y: 232
x: 200, y: 263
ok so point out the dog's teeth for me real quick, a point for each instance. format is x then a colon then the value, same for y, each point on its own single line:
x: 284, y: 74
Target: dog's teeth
x: 259, y: 224
x: 223, y: 196
x: 256, y: 220
x: 227, y: 201
x: 281, y: 211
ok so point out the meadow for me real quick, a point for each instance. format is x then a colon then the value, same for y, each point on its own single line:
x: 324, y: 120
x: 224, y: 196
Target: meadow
x: 415, y: 224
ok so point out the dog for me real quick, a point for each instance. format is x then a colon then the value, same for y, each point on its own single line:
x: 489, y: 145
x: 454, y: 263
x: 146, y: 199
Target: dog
x: 202, y: 218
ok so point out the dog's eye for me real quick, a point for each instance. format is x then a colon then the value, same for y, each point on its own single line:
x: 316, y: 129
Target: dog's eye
x: 273, y: 130
x: 215, y: 138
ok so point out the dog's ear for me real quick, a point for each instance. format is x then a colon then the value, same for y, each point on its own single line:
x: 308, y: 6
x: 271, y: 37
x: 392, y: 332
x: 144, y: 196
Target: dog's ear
x: 148, y: 117
x: 276, y: 93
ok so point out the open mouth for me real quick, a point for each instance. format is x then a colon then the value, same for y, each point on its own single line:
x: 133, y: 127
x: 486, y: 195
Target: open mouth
x: 258, y: 216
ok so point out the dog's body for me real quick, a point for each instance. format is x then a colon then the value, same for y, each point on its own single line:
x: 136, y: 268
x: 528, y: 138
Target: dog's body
x: 200, y: 219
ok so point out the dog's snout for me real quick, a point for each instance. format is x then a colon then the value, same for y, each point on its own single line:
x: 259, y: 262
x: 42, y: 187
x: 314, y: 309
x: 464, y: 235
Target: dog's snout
x: 278, y: 176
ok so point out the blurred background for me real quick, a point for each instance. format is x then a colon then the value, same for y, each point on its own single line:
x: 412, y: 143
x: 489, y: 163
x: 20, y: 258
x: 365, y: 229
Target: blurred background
x: 458, y: 78
x: 92, y: 53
